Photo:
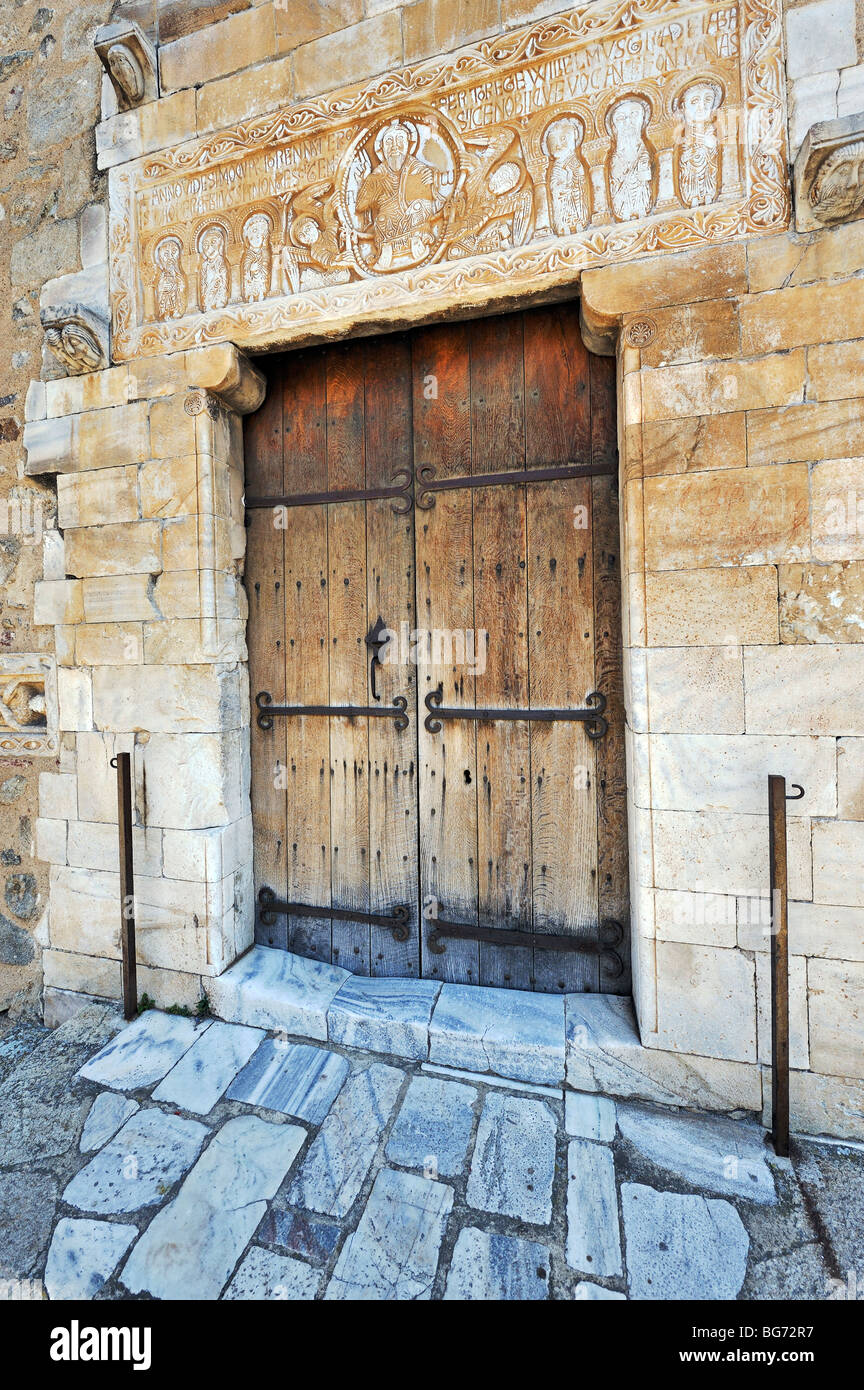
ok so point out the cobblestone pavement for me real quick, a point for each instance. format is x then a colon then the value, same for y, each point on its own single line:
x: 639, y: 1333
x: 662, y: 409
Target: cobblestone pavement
x: 181, y: 1159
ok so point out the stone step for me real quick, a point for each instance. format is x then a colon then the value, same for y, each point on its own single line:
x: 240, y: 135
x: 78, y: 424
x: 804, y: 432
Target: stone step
x: 590, y: 1042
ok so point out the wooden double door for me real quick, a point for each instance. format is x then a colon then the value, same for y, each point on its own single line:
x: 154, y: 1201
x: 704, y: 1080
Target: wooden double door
x: 438, y: 782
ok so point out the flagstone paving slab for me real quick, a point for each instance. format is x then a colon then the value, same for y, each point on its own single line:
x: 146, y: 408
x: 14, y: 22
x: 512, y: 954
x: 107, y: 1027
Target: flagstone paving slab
x: 433, y: 1127
x: 293, y: 1078
x: 107, y: 1113
x: 681, y: 1247
x: 390, y: 1224
x: 589, y: 1116
x: 710, y: 1151
x: 204, y: 1073
x: 300, y: 1233
x: 265, y: 1275
x: 340, y: 1156
x: 190, y: 1248
x: 593, y: 1237
x: 487, y: 1266
x: 384, y: 1015
x: 514, y: 1159
x: 83, y: 1255
x: 139, y: 1166
x: 144, y: 1052
x: 507, y: 1032
x: 393, y: 1254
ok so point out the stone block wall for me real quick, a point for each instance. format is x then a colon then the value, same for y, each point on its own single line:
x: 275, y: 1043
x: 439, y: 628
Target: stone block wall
x: 740, y: 419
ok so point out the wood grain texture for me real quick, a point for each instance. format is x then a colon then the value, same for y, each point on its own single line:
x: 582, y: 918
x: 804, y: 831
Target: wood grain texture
x: 503, y: 824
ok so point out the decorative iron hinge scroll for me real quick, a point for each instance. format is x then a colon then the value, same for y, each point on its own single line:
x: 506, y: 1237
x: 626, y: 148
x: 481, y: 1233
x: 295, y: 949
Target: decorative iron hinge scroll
x: 610, y: 935
x: 395, y: 921
x: 401, y: 490
x: 268, y: 711
x: 592, y: 716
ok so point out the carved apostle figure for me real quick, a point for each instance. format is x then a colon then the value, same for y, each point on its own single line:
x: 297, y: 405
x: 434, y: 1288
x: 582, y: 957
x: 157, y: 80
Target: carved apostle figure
x: 567, y: 184
x: 697, y: 155
x: 171, y: 286
x: 214, y: 278
x: 630, y: 168
x: 838, y: 188
x: 257, y: 264
x: 397, y: 202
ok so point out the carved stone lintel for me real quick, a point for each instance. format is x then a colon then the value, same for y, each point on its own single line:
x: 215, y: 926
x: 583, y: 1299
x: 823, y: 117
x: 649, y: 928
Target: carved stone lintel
x: 129, y: 59
x: 829, y: 174
x: 77, y: 337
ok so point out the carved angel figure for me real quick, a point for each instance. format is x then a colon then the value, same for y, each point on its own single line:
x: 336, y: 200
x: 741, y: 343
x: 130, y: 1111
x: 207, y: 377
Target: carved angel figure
x: 398, y: 200
x: 494, y: 206
x: 314, y: 243
x: 171, y: 286
x: 697, y: 156
x: 257, y: 263
x: 630, y: 168
x: 838, y: 188
x: 567, y: 184
x: 214, y: 279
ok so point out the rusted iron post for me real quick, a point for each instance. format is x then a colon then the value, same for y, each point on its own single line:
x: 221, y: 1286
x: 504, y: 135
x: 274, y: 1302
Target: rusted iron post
x: 123, y: 764
x: 777, y: 799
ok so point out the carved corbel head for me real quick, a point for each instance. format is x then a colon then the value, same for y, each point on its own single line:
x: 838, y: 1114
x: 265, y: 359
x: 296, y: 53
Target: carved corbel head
x: 829, y: 174
x: 77, y: 337
x: 129, y: 59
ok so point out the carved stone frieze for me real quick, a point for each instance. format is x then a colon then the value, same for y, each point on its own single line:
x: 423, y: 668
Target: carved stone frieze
x: 829, y: 174
x: 615, y: 130
x: 28, y: 704
x: 77, y: 337
x: 129, y: 59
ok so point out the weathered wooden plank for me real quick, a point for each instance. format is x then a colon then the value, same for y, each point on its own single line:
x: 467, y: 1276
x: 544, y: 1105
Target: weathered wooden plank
x: 393, y: 795
x: 266, y: 636
x: 564, y: 828
x: 348, y: 624
x: 445, y: 602
x: 500, y: 608
x: 307, y: 675
x: 612, y: 867
x: 557, y: 388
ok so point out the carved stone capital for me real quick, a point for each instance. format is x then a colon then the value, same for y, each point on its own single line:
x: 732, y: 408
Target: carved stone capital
x: 129, y: 59
x: 77, y: 337
x: 829, y: 174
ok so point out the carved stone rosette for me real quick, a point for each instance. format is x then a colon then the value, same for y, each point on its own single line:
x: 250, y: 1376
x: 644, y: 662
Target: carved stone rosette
x: 829, y: 174
x: 614, y: 131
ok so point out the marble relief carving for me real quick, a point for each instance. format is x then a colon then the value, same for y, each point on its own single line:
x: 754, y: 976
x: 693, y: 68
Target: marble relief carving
x: 829, y: 174
x: 609, y: 132
x: 28, y: 704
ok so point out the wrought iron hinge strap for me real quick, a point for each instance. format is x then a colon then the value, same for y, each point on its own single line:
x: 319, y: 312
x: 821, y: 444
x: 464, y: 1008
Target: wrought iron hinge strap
x: 611, y: 934
x: 268, y: 711
x: 592, y: 717
x: 428, y: 484
x: 272, y: 907
x: 402, y: 489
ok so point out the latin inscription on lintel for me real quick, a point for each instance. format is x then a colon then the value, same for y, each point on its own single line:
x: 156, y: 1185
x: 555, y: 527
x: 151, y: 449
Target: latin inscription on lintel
x: 600, y: 135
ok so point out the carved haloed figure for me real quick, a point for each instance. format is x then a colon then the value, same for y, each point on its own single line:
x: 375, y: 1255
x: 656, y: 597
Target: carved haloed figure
x: 398, y: 200
x: 171, y: 286
x: 838, y: 189
x: 257, y: 263
x: 567, y: 182
x: 630, y: 168
x: 214, y: 283
x: 697, y: 154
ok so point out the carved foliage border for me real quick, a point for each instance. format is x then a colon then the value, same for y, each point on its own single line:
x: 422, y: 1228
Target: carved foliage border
x: 767, y: 206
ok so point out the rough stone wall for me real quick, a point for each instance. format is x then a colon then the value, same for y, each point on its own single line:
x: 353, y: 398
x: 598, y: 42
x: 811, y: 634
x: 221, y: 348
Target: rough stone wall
x: 51, y: 222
